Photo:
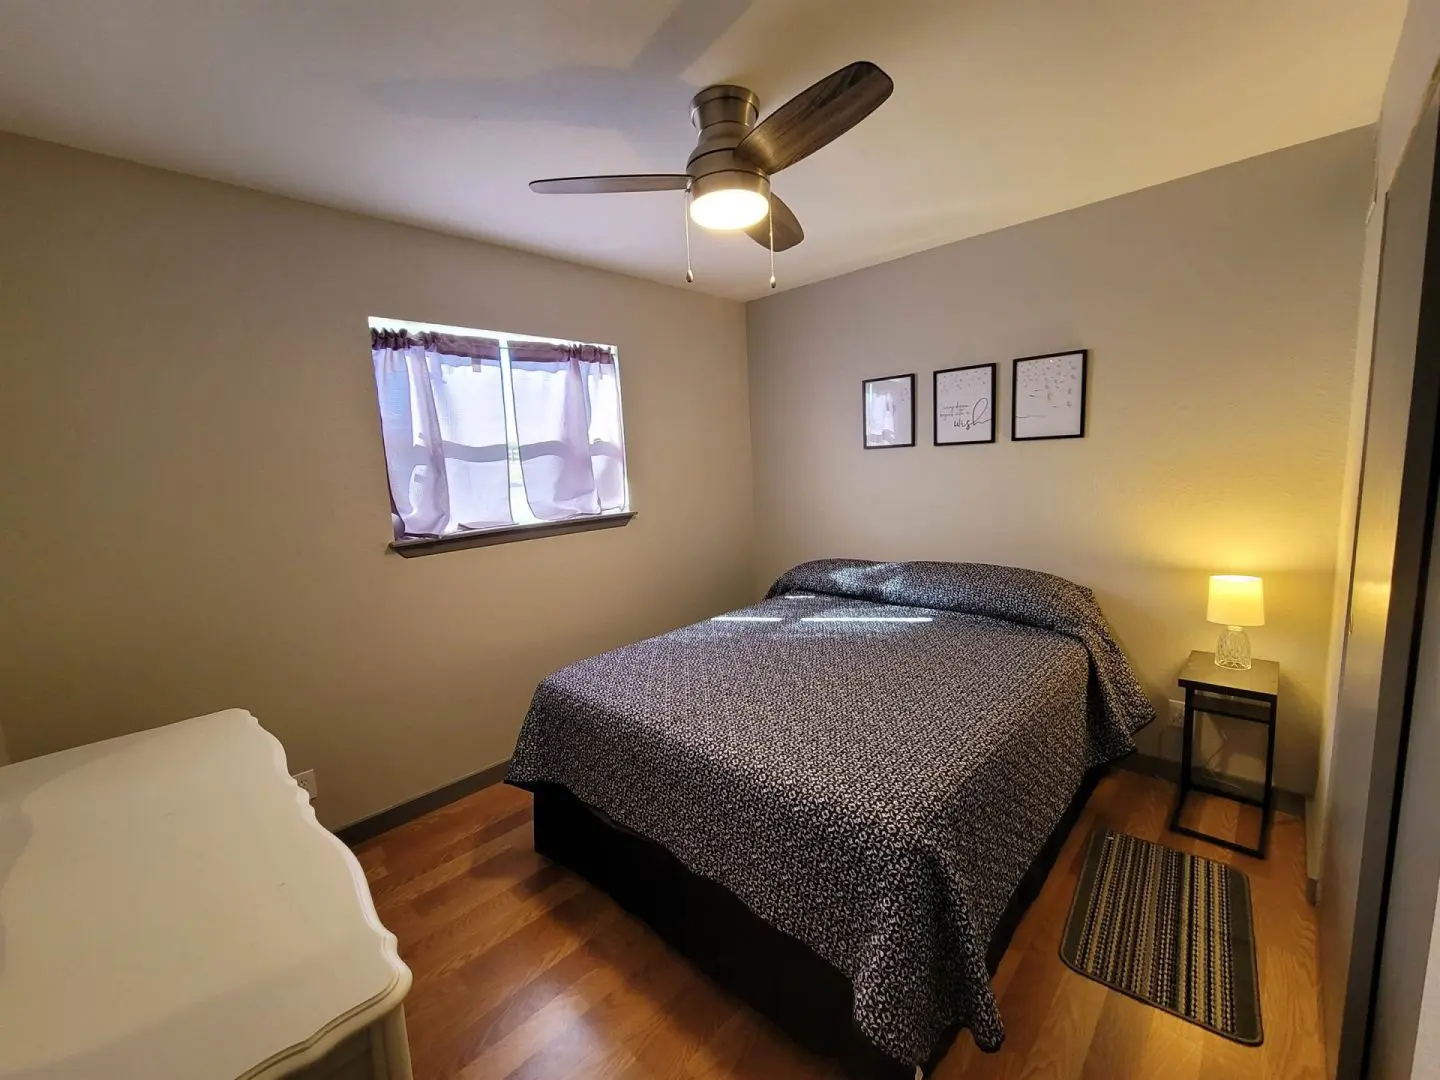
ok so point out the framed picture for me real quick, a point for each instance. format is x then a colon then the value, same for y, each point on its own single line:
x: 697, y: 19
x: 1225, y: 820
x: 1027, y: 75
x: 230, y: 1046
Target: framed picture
x: 965, y: 405
x: 889, y: 412
x: 1047, y: 396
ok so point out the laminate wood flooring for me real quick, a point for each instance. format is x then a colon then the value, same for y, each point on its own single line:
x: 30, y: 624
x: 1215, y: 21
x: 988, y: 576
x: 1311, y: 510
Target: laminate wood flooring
x: 523, y: 970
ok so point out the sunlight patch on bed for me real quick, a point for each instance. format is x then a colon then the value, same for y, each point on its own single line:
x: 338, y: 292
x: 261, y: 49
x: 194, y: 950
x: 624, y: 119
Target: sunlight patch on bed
x: 866, y: 618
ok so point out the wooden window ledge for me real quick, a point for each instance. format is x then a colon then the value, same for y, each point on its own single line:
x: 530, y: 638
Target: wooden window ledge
x: 413, y: 547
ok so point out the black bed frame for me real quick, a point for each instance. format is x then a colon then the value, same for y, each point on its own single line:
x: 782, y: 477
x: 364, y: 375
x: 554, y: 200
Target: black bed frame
x: 776, y: 974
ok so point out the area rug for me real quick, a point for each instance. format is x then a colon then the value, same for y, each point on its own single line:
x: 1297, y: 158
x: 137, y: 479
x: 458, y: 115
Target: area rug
x: 1169, y: 929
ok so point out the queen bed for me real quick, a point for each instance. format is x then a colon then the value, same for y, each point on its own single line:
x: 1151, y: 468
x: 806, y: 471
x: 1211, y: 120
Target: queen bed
x: 838, y: 802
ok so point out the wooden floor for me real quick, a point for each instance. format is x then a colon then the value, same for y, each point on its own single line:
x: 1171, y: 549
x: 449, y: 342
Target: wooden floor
x: 523, y: 970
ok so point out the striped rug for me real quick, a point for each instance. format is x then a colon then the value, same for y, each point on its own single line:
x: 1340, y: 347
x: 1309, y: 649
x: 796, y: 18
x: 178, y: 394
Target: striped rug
x: 1169, y: 929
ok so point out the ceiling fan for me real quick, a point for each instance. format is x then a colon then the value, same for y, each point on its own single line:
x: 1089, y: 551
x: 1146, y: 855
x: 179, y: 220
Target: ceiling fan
x: 727, y: 177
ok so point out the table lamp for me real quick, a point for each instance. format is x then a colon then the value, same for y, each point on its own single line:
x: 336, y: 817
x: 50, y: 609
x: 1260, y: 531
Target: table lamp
x: 1236, y: 602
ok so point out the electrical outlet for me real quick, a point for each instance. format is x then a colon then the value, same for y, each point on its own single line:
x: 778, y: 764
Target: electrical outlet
x: 308, y: 782
x: 1177, y: 714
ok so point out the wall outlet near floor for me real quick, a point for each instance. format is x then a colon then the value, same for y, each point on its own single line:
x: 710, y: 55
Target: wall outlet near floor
x: 307, y: 781
x: 1177, y: 714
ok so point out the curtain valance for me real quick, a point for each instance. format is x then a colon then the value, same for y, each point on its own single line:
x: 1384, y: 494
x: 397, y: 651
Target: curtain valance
x: 475, y: 348
x: 545, y: 352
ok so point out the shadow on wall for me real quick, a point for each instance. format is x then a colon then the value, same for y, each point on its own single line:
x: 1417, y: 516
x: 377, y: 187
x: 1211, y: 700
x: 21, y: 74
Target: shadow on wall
x: 646, y: 102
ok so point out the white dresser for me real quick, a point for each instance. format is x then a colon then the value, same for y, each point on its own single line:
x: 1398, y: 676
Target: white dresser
x: 170, y: 909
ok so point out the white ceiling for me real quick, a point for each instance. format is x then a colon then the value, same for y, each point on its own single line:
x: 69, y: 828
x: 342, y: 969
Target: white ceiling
x: 437, y: 112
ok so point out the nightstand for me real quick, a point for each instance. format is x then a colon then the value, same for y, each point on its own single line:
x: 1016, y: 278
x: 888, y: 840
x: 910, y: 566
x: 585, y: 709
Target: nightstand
x: 1251, y: 695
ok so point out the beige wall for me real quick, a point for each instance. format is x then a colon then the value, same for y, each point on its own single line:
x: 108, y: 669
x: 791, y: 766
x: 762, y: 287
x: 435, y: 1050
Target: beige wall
x: 194, y: 507
x: 1220, y: 313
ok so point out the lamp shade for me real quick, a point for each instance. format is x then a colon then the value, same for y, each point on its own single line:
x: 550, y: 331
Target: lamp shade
x: 1236, y: 600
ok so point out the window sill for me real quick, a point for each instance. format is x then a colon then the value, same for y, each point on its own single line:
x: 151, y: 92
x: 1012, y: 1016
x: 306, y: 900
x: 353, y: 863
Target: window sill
x: 509, y: 534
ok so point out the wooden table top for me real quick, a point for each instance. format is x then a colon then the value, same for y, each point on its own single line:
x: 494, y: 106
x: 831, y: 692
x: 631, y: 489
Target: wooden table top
x: 1262, y: 680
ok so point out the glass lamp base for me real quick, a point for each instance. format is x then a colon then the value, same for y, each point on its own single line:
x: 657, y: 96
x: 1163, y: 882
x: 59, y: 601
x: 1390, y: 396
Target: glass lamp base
x: 1233, y: 649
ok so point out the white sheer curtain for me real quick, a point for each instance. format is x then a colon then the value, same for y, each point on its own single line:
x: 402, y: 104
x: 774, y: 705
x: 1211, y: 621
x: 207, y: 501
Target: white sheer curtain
x: 567, y: 418
x: 442, y: 415
x: 607, y: 433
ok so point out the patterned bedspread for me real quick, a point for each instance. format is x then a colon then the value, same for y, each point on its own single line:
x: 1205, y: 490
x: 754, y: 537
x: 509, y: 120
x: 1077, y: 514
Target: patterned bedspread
x: 870, y: 759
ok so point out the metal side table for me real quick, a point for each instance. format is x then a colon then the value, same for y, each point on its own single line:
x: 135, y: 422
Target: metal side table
x: 1251, y: 695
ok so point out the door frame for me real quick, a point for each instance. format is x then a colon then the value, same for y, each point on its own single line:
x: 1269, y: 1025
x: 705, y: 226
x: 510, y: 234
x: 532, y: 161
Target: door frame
x: 1403, y: 627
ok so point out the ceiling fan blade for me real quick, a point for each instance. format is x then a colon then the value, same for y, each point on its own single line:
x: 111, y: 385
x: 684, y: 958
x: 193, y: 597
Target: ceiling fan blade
x: 788, y: 232
x: 606, y: 185
x: 816, y: 117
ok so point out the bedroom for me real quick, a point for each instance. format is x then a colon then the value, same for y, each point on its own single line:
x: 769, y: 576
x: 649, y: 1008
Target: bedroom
x: 204, y: 221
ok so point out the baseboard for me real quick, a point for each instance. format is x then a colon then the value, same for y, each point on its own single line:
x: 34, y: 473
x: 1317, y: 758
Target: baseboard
x: 1288, y: 802
x: 393, y: 817
x: 1313, y: 827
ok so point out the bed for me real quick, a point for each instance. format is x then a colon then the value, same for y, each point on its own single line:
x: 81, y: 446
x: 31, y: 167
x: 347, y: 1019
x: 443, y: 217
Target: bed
x: 839, y: 800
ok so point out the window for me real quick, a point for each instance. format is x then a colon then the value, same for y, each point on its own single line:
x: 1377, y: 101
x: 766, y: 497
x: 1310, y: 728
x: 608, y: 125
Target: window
x: 486, y: 431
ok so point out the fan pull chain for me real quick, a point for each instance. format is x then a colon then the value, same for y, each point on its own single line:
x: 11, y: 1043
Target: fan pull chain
x: 689, y: 273
x: 771, y: 216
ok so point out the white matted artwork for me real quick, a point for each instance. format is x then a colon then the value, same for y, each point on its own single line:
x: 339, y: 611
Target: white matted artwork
x: 889, y: 412
x: 1048, y: 396
x: 965, y: 405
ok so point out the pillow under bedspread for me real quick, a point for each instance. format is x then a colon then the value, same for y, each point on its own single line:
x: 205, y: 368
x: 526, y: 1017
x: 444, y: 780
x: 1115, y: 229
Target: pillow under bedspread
x: 871, y: 778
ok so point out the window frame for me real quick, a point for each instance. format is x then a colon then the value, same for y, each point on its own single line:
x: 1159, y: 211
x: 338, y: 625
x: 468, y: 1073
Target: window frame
x: 531, y: 527
x: 410, y: 547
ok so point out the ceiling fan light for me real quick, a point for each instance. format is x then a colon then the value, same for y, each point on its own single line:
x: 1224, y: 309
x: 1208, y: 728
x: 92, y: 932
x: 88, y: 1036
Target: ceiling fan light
x: 729, y: 201
x: 729, y: 209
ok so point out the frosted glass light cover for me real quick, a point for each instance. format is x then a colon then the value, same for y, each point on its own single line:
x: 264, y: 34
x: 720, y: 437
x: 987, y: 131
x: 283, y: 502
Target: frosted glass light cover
x: 728, y: 209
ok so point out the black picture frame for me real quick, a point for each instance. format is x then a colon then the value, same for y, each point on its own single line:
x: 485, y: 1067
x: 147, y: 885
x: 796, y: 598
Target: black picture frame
x: 865, y: 413
x: 935, y: 405
x: 1015, y: 418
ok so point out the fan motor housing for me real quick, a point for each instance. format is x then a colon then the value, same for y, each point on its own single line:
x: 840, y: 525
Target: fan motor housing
x: 723, y: 115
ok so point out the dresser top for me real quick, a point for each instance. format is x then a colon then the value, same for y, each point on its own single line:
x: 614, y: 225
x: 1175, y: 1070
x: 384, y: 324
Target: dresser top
x: 171, y: 909
x: 1261, y: 680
